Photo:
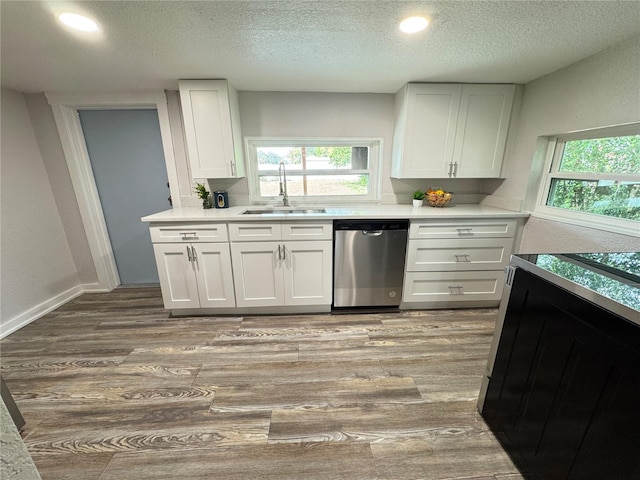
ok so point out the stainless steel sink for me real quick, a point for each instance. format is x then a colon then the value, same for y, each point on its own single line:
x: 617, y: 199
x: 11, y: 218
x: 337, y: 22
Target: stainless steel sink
x: 283, y: 211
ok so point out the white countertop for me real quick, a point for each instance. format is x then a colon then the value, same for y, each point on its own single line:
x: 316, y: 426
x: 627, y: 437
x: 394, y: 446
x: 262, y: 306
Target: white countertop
x: 198, y: 214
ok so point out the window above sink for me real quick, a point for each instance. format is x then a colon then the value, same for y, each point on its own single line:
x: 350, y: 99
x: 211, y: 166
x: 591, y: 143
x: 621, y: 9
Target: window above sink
x: 325, y: 170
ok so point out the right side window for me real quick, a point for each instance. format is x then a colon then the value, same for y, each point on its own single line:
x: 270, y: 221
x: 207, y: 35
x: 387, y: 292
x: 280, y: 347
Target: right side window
x: 595, y: 176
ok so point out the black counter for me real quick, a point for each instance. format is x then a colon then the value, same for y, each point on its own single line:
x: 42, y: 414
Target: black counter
x: 610, y: 280
x: 563, y: 385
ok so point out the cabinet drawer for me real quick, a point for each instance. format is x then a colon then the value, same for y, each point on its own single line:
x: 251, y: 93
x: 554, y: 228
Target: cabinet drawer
x: 188, y: 233
x: 307, y: 231
x: 463, y: 229
x: 458, y: 254
x: 254, y: 231
x: 453, y: 286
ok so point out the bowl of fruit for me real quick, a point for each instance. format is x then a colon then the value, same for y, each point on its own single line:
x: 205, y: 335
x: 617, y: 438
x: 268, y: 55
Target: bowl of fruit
x: 438, y: 197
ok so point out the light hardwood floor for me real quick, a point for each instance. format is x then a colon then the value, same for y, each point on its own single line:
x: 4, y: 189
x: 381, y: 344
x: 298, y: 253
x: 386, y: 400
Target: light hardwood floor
x: 111, y: 388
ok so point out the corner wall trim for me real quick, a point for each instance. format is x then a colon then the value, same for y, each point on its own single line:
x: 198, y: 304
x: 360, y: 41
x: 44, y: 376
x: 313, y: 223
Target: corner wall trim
x: 93, y: 288
x: 39, y: 310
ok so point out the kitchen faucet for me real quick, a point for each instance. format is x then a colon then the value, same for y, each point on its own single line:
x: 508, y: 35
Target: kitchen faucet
x: 282, y: 175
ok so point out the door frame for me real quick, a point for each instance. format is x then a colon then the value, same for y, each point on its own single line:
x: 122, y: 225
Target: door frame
x: 65, y: 112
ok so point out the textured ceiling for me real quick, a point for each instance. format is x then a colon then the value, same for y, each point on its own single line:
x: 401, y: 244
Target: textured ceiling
x: 297, y: 45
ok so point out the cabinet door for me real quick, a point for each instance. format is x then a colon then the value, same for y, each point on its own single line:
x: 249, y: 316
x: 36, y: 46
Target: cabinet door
x: 211, y: 128
x: 212, y: 262
x: 481, y: 134
x: 257, y: 274
x: 425, y: 130
x: 177, y: 276
x: 307, y: 272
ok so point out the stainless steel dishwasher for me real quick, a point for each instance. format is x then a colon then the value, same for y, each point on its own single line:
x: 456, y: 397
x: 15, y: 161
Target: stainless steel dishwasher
x: 368, y: 263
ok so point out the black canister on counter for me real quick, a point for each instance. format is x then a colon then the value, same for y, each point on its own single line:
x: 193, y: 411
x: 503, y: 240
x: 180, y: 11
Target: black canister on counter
x: 221, y: 198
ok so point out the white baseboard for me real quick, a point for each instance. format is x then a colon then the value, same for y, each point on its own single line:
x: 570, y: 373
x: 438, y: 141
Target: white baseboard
x: 41, y: 309
x: 93, y: 288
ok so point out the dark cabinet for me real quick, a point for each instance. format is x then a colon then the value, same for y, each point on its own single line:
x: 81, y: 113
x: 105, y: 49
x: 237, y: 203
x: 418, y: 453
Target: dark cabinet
x: 564, y: 393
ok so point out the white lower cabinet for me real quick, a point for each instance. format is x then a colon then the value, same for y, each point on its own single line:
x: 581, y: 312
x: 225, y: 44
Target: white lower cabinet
x: 196, y: 275
x: 257, y: 274
x: 451, y: 287
x: 457, y: 264
x: 282, y: 273
x: 247, y: 264
x: 282, y: 263
x: 308, y: 268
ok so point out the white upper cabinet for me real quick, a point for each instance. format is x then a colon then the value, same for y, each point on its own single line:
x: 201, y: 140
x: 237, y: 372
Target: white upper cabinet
x: 212, y: 128
x: 451, y: 131
x: 423, y: 141
x: 481, y: 134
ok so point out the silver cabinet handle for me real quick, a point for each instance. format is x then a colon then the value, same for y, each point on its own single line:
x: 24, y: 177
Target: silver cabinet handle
x: 189, y: 253
x: 465, y: 231
x: 189, y: 234
x: 193, y: 253
x: 455, y: 289
x: 450, y: 169
x: 233, y: 169
x: 284, y: 252
x: 372, y: 233
x: 455, y: 169
x: 279, y: 253
x: 462, y: 257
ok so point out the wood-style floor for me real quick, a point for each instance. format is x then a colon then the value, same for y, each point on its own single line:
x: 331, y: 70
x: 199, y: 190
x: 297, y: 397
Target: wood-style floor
x: 112, y: 388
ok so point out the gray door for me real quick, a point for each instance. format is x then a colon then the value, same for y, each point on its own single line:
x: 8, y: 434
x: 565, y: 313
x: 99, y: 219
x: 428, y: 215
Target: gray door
x: 125, y: 149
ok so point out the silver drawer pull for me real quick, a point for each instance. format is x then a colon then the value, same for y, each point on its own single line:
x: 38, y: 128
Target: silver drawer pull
x: 189, y: 234
x: 455, y: 289
x: 462, y: 257
x: 189, y: 253
x: 465, y: 231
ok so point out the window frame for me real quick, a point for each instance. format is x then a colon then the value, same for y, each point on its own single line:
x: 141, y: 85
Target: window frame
x: 373, y: 171
x: 553, y: 157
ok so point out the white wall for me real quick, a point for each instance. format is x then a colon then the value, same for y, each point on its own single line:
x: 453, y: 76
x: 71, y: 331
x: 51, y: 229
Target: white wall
x: 598, y: 91
x: 37, y: 271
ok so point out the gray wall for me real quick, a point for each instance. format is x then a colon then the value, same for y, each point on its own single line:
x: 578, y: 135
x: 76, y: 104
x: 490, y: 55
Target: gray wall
x: 308, y: 115
x: 37, y: 268
x: 285, y: 114
x: 56, y: 166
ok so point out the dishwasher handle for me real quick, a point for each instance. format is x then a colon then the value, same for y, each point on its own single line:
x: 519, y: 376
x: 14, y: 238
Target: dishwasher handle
x: 372, y: 233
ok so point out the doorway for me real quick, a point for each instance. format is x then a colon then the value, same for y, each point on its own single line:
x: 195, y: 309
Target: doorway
x: 126, y: 156
x: 66, y: 109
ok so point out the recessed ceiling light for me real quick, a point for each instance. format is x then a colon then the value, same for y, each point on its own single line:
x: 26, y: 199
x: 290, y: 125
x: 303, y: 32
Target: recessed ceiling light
x: 78, y: 22
x: 413, y: 24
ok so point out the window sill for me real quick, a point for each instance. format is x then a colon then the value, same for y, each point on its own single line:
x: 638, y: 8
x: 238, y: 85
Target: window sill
x: 598, y: 222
